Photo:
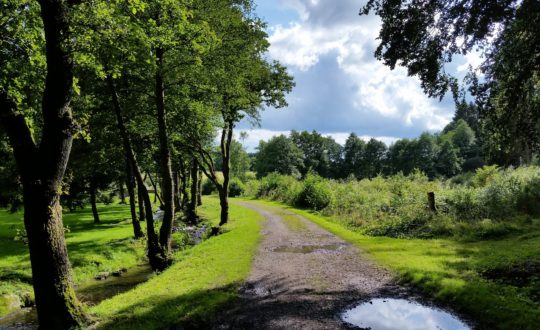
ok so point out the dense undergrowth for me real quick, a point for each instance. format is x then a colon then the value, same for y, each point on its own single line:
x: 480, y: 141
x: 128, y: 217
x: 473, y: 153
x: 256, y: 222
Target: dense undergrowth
x: 492, y: 282
x: 491, y: 203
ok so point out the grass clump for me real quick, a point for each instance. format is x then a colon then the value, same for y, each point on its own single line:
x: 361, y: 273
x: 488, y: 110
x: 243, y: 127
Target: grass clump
x: 202, y: 281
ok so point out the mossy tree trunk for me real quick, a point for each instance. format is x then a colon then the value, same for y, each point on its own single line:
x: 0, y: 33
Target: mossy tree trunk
x: 56, y: 303
x: 192, y: 205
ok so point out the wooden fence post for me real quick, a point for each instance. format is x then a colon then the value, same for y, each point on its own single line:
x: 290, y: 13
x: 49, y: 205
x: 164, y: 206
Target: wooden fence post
x: 431, y: 202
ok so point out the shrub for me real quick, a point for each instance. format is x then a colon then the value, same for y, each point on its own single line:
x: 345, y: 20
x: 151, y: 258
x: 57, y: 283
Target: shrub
x: 315, y: 194
x: 208, y: 188
x: 236, y: 188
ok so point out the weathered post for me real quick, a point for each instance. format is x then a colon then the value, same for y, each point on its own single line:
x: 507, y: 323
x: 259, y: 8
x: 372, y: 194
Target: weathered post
x: 431, y: 202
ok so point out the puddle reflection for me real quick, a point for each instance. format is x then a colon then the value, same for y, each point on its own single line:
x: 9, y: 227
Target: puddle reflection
x: 390, y: 314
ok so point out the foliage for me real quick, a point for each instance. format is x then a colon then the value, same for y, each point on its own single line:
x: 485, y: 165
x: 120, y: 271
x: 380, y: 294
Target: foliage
x: 315, y: 193
x: 236, y: 188
x: 491, y: 203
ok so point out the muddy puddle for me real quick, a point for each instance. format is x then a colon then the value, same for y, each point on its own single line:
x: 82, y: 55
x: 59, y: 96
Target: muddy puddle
x: 91, y: 293
x: 305, y: 249
x: 394, y: 314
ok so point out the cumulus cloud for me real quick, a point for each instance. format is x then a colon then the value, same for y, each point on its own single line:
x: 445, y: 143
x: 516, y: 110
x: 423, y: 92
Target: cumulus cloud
x: 341, y: 87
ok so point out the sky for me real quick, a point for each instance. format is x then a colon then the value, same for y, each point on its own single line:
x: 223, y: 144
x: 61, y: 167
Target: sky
x: 340, y: 86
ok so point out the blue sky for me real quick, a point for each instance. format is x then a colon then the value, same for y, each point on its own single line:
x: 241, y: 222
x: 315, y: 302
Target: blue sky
x: 340, y: 87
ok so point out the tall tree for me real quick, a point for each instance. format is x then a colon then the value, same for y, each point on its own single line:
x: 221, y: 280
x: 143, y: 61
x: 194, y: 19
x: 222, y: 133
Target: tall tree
x: 57, y: 305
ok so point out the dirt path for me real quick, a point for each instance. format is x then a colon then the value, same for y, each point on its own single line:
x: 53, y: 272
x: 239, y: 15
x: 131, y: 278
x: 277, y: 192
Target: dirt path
x: 303, y: 277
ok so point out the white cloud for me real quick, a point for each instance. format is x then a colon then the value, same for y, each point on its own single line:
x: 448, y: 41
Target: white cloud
x: 330, y: 30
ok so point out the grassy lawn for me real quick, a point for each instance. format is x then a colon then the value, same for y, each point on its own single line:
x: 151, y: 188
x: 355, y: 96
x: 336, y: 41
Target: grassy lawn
x: 451, y: 271
x: 92, y: 248
x: 203, y: 280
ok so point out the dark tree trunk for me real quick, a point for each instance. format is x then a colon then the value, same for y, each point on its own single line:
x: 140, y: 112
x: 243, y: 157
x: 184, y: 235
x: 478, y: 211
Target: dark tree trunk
x: 130, y: 182
x: 93, y: 202
x: 226, y: 140
x: 177, y: 204
x: 157, y: 197
x: 167, y: 185
x: 142, y: 214
x: 199, y: 188
x: 56, y: 303
x: 154, y: 251
x: 122, y: 192
x: 192, y: 205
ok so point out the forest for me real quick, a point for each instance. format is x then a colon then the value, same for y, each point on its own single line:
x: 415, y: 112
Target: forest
x: 129, y: 201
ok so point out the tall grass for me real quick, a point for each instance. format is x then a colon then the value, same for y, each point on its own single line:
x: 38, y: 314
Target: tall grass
x: 491, y: 203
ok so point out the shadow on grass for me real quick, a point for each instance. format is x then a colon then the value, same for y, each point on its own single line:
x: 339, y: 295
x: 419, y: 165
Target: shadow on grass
x: 195, y: 310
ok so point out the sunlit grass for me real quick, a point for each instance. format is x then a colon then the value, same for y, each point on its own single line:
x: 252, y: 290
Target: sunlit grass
x: 203, y: 280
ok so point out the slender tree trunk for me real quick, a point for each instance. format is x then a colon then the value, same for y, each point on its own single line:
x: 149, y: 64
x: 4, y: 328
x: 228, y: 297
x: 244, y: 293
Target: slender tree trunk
x: 154, y: 252
x: 192, y: 205
x: 157, y: 197
x: 130, y: 182
x: 184, y: 182
x: 167, y: 185
x: 226, y: 140
x: 177, y: 204
x: 122, y: 192
x: 56, y: 303
x: 142, y: 214
x: 93, y: 202
x: 199, y: 188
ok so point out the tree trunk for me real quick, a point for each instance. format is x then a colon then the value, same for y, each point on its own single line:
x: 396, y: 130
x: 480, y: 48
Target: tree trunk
x: 177, y: 204
x: 130, y: 182
x: 56, y: 303
x: 184, y: 182
x: 154, y: 252
x: 157, y: 197
x: 122, y: 192
x: 142, y: 214
x: 93, y: 202
x: 199, y: 188
x: 192, y: 205
x: 167, y: 185
x: 226, y: 140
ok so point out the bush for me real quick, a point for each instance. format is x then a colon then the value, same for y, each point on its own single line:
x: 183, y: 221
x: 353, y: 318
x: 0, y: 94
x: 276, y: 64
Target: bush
x: 236, y: 188
x: 208, y: 188
x: 315, y: 194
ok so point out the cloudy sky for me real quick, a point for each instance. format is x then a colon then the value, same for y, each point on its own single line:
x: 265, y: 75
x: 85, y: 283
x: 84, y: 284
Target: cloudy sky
x: 340, y: 86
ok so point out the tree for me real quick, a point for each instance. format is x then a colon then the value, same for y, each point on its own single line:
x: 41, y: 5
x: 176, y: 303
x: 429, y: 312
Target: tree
x: 423, y: 36
x: 374, y: 158
x: 243, y: 78
x: 448, y: 162
x: 278, y: 155
x: 353, y: 153
x: 56, y: 303
x: 321, y: 154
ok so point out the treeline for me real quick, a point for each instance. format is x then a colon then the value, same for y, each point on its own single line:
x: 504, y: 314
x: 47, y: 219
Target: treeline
x: 454, y: 150
x: 103, y: 95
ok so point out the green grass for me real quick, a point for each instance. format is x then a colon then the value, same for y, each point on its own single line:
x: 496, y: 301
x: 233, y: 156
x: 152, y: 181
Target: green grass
x: 450, y: 271
x: 203, y: 280
x: 92, y: 248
